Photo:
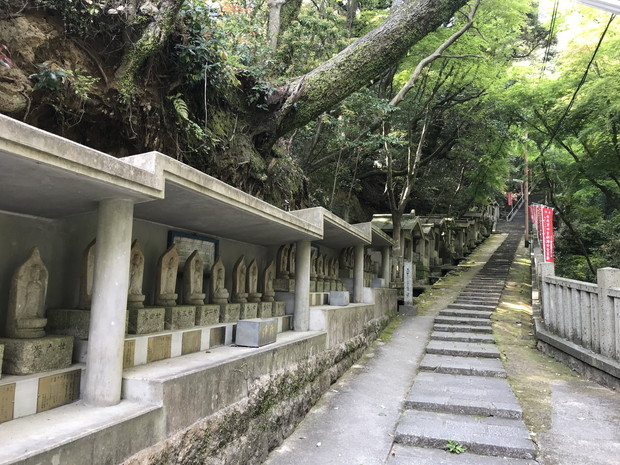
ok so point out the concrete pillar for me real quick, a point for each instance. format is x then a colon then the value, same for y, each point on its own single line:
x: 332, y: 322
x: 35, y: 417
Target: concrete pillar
x: 386, y: 269
x: 301, y: 315
x: 106, y: 341
x: 607, y: 278
x: 358, y: 273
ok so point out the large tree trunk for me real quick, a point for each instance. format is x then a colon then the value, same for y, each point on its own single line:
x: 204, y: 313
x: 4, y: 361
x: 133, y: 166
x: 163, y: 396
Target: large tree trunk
x: 302, y: 100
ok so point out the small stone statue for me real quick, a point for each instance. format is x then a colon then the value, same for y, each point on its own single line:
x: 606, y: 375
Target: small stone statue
x: 167, y: 268
x: 252, y: 283
x: 193, y: 271
x: 218, y: 293
x: 86, y: 278
x: 313, y: 256
x: 239, y: 280
x: 282, y: 262
x: 291, y: 260
x: 26, y: 312
x: 268, y: 276
x: 320, y: 270
x: 135, y: 298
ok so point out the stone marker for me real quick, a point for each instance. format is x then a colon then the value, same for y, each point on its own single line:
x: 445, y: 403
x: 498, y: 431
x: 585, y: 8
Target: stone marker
x: 86, y: 277
x: 26, y: 312
x: 218, y: 293
x: 251, y: 285
x: 26, y: 348
x: 239, y: 294
x: 282, y: 262
x: 193, y: 271
x: 256, y: 332
x: 268, y: 277
x: 165, y: 286
x: 207, y: 315
x: 135, y: 298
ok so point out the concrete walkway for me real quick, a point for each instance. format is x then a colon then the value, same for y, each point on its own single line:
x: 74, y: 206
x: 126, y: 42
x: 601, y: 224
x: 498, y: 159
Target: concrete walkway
x: 439, y: 378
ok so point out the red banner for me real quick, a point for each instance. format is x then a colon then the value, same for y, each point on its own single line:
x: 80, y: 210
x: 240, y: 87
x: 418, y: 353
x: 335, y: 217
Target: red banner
x: 539, y: 209
x: 509, y: 194
x: 547, y: 233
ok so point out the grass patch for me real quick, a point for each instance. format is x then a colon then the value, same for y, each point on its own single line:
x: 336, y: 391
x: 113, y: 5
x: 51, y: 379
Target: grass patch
x: 388, y: 332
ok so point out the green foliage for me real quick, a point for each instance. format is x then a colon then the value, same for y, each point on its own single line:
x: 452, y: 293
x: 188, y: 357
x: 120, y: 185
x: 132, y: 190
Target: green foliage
x: 87, y: 18
x: 55, y: 79
x: 454, y: 447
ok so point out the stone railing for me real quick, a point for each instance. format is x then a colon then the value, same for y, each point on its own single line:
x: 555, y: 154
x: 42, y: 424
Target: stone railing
x: 579, y: 318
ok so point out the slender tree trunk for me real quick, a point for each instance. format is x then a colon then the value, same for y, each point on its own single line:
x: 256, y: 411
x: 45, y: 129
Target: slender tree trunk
x: 274, y: 22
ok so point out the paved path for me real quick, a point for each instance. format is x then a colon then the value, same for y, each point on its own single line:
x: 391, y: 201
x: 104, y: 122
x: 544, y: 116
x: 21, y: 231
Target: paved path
x: 440, y: 379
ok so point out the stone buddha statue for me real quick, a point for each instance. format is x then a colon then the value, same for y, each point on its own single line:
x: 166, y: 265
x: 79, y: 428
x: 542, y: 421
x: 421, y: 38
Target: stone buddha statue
x: 218, y: 293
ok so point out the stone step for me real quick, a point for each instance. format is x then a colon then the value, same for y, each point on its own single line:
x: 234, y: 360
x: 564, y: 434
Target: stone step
x: 463, y: 395
x: 481, y: 294
x: 463, y: 349
x: 470, y: 366
x: 462, y: 337
x: 459, y: 320
x: 483, y: 290
x: 462, y: 328
x: 477, y: 302
x: 465, y: 313
x: 409, y: 455
x: 479, y: 435
x: 474, y: 307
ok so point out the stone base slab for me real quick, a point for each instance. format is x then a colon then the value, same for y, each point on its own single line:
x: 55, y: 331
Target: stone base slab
x: 320, y: 286
x: 229, y: 313
x: 313, y: 285
x: 279, y: 308
x: 180, y: 317
x: 248, y: 311
x: 68, y: 322
x: 28, y: 356
x: 265, y: 310
x: 207, y: 315
x: 256, y: 332
x: 146, y: 320
x: 318, y: 298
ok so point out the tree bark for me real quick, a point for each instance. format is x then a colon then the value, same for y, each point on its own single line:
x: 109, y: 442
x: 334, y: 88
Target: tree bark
x: 302, y: 100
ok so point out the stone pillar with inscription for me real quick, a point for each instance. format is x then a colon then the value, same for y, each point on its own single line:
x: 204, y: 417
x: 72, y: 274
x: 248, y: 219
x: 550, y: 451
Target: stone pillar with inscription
x: 229, y: 313
x: 104, y: 360
x: 265, y: 308
x: 141, y: 319
x: 27, y: 349
x: 177, y: 316
x: 386, y: 269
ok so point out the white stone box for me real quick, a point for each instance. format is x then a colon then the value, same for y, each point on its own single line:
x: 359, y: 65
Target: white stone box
x: 256, y: 332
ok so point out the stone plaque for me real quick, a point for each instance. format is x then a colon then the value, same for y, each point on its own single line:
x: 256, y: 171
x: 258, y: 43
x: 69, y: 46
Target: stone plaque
x: 408, y: 290
x: 191, y: 342
x: 218, y: 336
x: 57, y: 390
x: 7, y: 401
x: 187, y: 244
x: 158, y: 348
x: 129, y: 353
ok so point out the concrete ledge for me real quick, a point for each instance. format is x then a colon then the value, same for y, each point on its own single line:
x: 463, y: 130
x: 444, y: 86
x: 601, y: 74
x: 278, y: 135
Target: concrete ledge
x: 76, y: 434
x: 198, y: 385
x: 594, y: 366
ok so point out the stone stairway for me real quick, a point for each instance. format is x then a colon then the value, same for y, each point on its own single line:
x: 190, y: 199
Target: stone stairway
x: 460, y: 393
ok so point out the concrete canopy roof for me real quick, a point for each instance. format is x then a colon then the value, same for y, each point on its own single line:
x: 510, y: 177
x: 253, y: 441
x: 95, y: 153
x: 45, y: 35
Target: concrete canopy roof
x: 198, y: 202
x: 378, y: 237
x: 384, y: 222
x: 337, y: 233
x: 47, y: 176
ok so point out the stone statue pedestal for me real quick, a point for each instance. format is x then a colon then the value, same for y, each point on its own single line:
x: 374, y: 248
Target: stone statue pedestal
x: 68, y: 322
x: 146, y: 320
x: 320, y: 285
x: 265, y: 310
x: 230, y: 313
x: 284, y: 285
x: 207, y: 315
x: 180, y: 317
x: 240, y: 298
x: 313, y: 285
x: 279, y: 308
x: 248, y: 311
x: 28, y: 356
x: 254, y: 297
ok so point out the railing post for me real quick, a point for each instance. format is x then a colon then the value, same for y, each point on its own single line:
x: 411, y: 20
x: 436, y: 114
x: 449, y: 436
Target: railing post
x: 607, y: 278
x: 544, y: 270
